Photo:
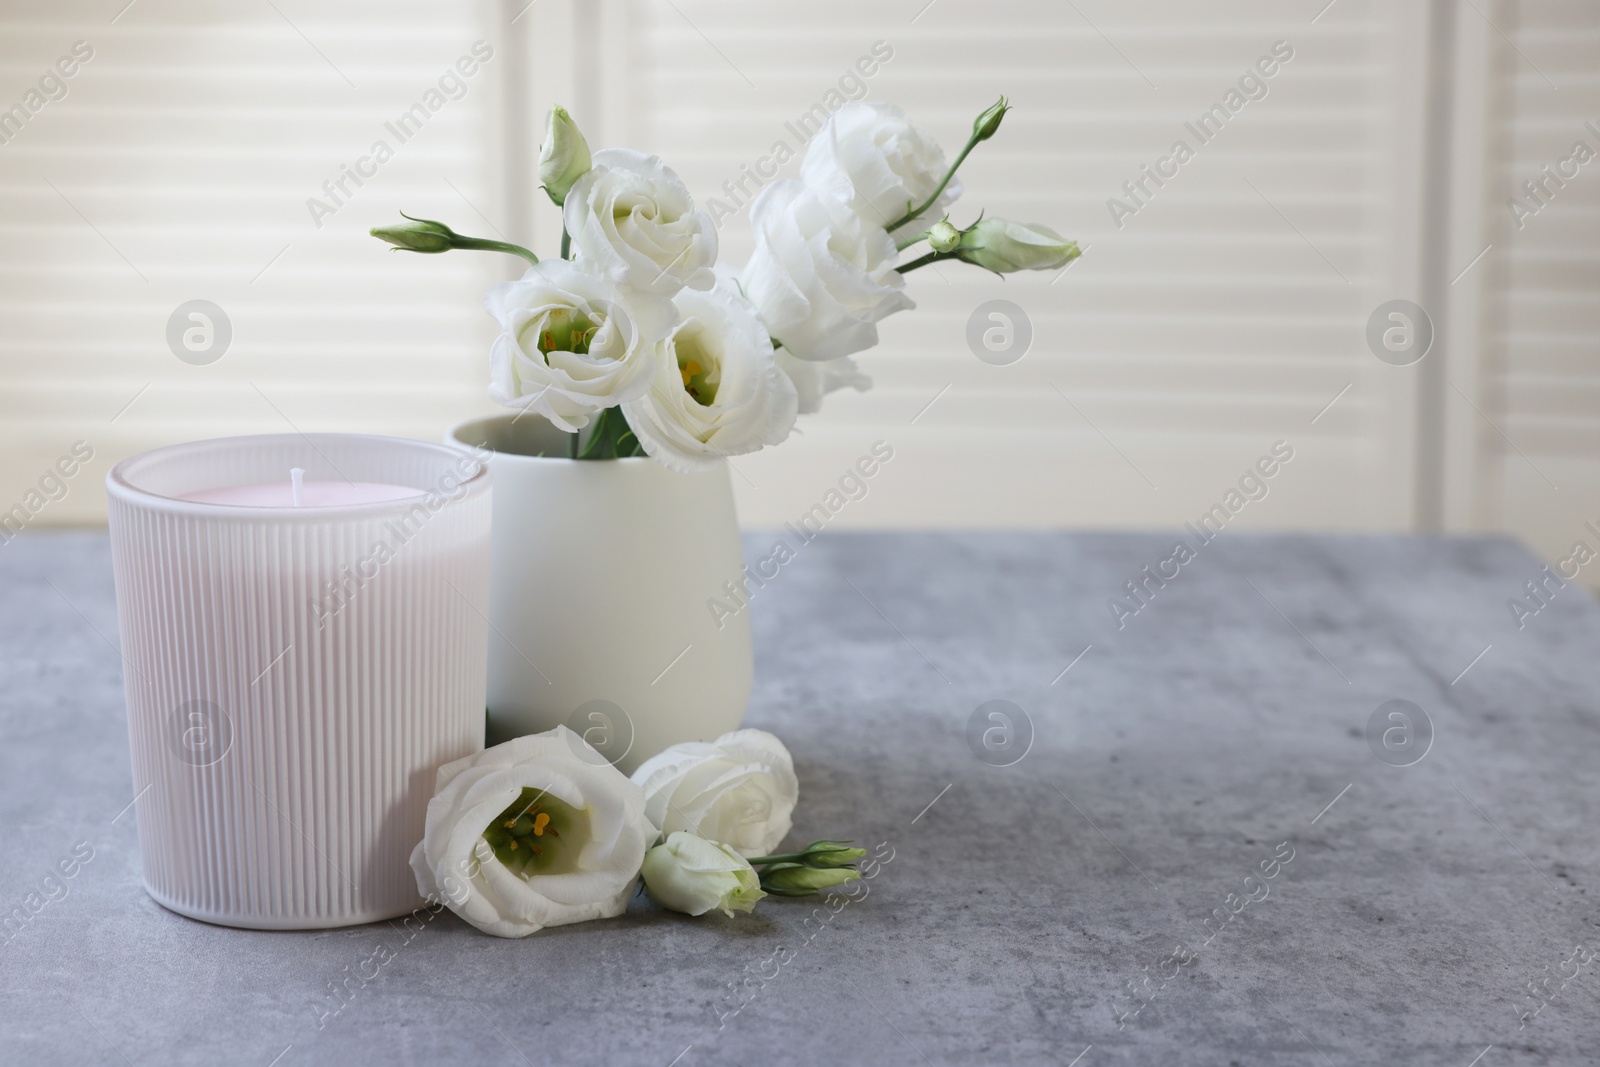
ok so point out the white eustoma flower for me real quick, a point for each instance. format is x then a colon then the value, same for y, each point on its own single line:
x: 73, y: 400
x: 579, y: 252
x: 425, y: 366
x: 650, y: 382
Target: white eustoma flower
x: 539, y: 831
x: 874, y: 158
x: 717, y: 391
x: 633, y: 221
x: 821, y: 276
x: 693, y: 875
x: 739, y: 789
x: 815, y: 379
x: 572, y: 343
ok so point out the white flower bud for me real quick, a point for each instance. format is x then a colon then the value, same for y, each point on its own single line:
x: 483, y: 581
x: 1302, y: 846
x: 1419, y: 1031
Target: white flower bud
x: 943, y: 237
x: 564, y: 156
x: 693, y: 875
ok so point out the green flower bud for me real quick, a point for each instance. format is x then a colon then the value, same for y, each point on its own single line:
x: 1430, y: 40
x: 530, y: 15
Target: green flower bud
x: 693, y: 875
x: 985, y: 125
x: 794, y: 880
x: 425, y: 235
x: 564, y: 156
x: 1004, y: 246
x: 418, y: 235
x: 830, y: 854
x: 943, y: 237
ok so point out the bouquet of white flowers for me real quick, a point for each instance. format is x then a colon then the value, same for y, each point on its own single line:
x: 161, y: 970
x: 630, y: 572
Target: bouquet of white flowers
x: 637, y: 341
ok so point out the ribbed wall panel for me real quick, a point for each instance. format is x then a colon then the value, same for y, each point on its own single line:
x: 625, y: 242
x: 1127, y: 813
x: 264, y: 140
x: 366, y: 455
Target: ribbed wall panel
x: 1540, y: 473
x: 1223, y: 316
x: 308, y: 816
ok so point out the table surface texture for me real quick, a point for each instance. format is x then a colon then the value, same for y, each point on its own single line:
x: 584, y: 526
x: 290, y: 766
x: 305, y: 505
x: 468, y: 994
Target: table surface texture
x: 1206, y: 853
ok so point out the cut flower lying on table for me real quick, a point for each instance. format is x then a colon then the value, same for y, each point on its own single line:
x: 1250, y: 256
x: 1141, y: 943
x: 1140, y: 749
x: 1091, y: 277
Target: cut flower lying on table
x: 637, y: 342
x: 540, y: 831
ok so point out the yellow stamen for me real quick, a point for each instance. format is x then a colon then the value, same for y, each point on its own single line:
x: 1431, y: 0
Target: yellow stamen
x: 689, y: 370
x: 539, y: 824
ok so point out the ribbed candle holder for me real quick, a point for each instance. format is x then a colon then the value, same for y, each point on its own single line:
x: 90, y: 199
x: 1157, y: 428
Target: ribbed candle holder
x: 296, y: 675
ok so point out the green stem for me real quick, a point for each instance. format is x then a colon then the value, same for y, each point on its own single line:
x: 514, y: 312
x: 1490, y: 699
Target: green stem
x: 485, y: 245
x: 972, y: 142
x: 566, y: 244
x: 923, y: 261
x: 611, y: 437
x: 628, y: 443
x: 572, y: 445
x: 909, y: 241
x: 597, y: 433
x: 782, y: 857
x: 797, y: 857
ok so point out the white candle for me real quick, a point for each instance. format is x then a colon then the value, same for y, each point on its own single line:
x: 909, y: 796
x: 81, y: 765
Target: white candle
x: 298, y: 493
x: 296, y: 669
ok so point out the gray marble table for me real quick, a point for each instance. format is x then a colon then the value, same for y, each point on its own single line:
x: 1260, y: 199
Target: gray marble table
x: 1210, y: 759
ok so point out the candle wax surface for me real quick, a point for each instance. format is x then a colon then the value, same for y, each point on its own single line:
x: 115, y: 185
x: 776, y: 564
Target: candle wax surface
x: 313, y: 494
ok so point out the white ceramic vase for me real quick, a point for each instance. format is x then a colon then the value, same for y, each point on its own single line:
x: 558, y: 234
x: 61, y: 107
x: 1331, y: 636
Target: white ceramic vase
x: 603, y: 574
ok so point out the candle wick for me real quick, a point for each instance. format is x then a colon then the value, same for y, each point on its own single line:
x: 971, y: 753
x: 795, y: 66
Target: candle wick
x: 296, y: 474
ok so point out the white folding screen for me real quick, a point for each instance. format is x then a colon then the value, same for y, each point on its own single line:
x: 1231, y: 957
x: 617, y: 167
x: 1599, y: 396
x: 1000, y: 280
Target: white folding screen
x: 1210, y: 317
x: 1529, y: 311
x: 216, y: 152
x: 205, y: 152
